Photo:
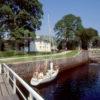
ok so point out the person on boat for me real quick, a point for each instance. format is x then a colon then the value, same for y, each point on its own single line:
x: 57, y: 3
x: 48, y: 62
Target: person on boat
x: 45, y: 67
x: 35, y: 75
x: 36, y: 72
x: 51, y: 66
x: 40, y: 75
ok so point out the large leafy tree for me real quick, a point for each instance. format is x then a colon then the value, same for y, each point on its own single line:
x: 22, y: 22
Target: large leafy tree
x: 66, y: 28
x: 86, y: 35
x: 20, y: 14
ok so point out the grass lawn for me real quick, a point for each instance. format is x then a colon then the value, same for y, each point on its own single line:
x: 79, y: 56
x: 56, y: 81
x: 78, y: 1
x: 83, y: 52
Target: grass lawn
x: 39, y: 57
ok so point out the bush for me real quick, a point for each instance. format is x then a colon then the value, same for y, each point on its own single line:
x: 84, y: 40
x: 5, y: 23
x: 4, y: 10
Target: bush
x: 20, y: 53
x: 39, y: 53
x: 11, y: 53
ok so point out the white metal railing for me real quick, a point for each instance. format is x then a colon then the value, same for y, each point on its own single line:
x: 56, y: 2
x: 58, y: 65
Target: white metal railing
x: 32, y: 93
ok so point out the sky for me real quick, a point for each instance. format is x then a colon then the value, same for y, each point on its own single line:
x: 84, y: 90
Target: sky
x: 88, y: 10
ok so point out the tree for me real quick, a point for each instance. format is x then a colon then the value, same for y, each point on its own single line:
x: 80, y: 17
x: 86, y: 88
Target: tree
x: 96, y: 42
x: 22, y: 37
x: 86, y: 36
x: 67, y: 27
x: 20, y: 14
x: 72, y: 44
x: 1, y: 39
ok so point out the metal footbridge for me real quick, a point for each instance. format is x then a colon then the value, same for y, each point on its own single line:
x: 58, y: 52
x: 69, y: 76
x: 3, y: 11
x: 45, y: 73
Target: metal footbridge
x: 9, y: 89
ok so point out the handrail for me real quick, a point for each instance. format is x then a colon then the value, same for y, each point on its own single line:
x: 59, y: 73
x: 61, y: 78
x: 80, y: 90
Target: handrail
x: 32, y: 92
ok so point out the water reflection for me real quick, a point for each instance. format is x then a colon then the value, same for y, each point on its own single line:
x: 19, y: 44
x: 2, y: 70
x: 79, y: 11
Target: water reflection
x: 82, y: 83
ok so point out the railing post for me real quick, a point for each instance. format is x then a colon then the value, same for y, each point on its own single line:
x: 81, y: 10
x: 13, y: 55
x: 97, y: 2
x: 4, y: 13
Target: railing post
x: 8, y: 75
x: 4, y: 70
x: 30, y: 97
x: 14, y: 85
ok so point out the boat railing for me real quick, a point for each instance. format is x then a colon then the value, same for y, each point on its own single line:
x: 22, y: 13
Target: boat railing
x: 13, y: 77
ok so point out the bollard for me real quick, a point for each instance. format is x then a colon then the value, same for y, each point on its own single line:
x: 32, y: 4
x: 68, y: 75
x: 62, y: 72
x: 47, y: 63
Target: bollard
x: 14, y: 85
x: 30, y: 97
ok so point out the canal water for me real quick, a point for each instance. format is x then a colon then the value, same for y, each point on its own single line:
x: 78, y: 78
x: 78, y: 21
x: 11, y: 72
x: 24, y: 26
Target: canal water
x: 81, y: 83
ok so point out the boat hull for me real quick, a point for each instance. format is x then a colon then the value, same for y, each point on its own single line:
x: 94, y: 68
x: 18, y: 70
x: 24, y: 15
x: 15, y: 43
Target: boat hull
x: 47, y: 78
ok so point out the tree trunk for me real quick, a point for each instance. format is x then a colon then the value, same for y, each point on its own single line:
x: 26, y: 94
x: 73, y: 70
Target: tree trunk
x: 28, y: 46
x: 84, y: 45
x: 2, y: 46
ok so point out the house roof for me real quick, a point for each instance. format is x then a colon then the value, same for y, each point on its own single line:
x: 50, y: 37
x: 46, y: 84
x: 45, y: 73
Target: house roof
x: 41, y: 38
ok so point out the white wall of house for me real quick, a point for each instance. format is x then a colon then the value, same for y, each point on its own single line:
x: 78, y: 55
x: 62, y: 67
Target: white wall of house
x: 39, y: 46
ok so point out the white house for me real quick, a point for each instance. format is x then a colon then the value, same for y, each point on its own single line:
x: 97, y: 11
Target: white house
x: 39, y: 45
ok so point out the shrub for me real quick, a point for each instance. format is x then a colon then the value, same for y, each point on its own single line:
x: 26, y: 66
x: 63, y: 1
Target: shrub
x: 11, y: 53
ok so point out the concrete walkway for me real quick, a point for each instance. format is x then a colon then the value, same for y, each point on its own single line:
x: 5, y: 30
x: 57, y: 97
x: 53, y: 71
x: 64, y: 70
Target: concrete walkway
x: 6, y: 91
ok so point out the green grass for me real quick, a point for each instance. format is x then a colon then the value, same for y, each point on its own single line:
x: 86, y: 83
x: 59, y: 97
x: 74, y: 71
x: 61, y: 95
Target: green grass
x: 40, y: 57
x: 73, y: 53
x: 13, y: 53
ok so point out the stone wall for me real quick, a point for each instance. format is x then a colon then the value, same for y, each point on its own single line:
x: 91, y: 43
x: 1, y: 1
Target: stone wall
x: 68, y: 63
x: 27, y: 69
x: 94, y: 55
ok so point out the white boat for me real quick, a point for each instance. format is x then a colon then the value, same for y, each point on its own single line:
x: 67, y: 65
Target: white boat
x: 49, y: 76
